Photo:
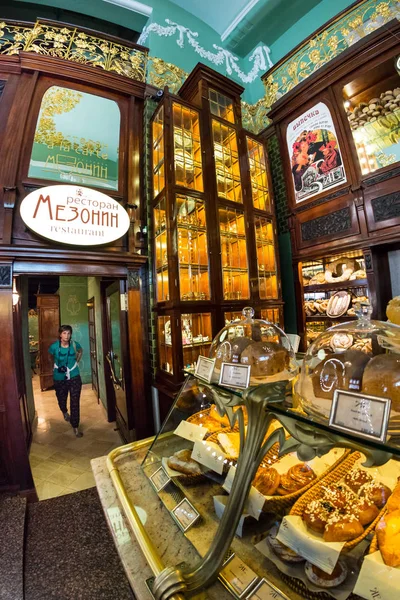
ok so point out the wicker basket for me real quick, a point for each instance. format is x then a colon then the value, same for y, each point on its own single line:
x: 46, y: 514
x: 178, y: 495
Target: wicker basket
x: 334, y: 476
x: 206, y: 413
x: 281, y: 504
x: 301, y: 588
x: 374, y: 546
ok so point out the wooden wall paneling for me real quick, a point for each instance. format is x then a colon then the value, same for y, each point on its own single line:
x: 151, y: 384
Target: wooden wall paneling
x: 11, y: 149
x: 13, y: 444
x: 138, y: 351
x: 48, y: 307
x: 382, y: 207
x: 379, y: 282
x: 135, y: 167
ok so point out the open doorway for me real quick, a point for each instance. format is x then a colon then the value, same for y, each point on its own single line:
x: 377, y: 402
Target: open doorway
x: 59, y: 460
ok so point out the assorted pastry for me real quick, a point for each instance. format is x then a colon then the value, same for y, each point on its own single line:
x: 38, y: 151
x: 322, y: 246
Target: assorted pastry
x: 381, y: 109
x: 337, y: 271
x: 270, y: 483
x: 388, y: 530
x: 345, y: 508
x: 336, y: 305
x: 183, y: 462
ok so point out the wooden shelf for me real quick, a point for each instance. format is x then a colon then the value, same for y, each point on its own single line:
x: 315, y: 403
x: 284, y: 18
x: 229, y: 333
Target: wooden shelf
x: 332, y: 287
x: 326, y: 318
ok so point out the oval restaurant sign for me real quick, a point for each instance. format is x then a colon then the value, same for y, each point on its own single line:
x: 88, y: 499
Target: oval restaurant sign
x: 74, y: 215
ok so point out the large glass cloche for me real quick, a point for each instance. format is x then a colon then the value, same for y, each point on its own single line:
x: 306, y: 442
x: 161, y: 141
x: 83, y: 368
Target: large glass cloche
x: 361, y: 356
x: 257, y: 343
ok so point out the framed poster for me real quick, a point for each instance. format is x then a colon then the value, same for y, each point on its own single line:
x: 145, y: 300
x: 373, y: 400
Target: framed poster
x: 314, y: 153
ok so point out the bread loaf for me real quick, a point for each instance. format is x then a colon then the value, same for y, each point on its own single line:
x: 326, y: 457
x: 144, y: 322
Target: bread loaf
x: 382, y: 378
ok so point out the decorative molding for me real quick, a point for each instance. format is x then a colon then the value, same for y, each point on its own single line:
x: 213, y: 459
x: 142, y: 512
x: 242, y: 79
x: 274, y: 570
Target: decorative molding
x: 162, y: 73
x: 5, y: 276
x: 260, y: 57
x: 386, y: 207
x: 133, y: 280
x: 363, y: 19
x: 368, y: 261
x: 382, y: 177
x: 73, y: 44
x: 254, y: 116
x: 331, y: 224
x: 304, y: 207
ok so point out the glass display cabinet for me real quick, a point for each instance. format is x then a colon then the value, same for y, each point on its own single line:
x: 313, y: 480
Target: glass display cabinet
x: 255, y: 484
x: 214, y: 243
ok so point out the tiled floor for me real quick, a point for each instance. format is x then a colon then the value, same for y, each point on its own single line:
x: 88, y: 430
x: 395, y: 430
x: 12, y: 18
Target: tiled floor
x: 60, y: 462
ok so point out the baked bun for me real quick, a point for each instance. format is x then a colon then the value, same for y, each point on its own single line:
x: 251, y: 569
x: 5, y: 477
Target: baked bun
x: 317, y: 514
x: 265, y: 358
x: 382, y: 378
x: 340, y: 370
x: 356, y: 478
x: 319, y: 577
x: 284, y: 553
x: 343, y: 528
x: 378, y: 493
x: 339, y: 496
x: 367, y: 511
x: 394, y: 501
x: 388, y: 534
x: 181, y: 461
x: 266, y: 481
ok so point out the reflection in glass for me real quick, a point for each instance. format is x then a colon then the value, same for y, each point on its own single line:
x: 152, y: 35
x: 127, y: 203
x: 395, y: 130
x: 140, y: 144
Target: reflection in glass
x: 271, y: 315
x: 76, y: 139
x: 226, y: 162
x: 187, y: 147
x: 165, y: 344
x: 158, y: 153
x: 114, y: 311
x: 266, y: 264
x: 233, y: 254
x: 258, y: 175
x: 221, y: 106
x: 192, y: 249
x: 196, y: 336
x: 161, y: 251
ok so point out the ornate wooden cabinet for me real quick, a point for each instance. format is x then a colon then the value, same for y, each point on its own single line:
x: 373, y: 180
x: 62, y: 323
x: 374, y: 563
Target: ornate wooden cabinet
x: 214, y: 225
x: 338, y: 132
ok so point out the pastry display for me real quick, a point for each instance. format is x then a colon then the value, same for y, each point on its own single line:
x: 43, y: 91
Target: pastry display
x: 182, y: 462
x: 360, y: 274
x: 320, y: 578
x: 286, y: 554
x: 381, y: 377
x: 340, y: 270
x: 203, y: 419
x: 230, y: 443
x: 376, y: 109
x: 388, y: 530
x: 270, y: 483
x: 267, y: 480
x: 317, y: 279
x: 344, y: 509
x: 393, y: 310
x: 338, y: 304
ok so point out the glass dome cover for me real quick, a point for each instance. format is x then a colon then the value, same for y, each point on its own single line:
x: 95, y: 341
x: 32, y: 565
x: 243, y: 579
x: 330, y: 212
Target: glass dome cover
x: 361, y: 356
x: 257, y: 343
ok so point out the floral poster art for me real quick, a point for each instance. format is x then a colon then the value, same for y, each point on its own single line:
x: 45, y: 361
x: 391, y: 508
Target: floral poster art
x: 314, y: 153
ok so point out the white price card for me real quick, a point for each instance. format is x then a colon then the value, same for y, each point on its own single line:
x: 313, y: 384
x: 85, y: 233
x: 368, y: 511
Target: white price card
x: 190, y: 431
x: 205, y: 368
x: 376, y: 580
x: 159, y: 479
x: 294, y: 533
x: 237, y: 576
x: 255, y: 501
x: 210, y: 455
x: 118, y: 526
x: 185, y: 514
x: 366, y: 416
x: 266, y: 591
x: 235, y: 375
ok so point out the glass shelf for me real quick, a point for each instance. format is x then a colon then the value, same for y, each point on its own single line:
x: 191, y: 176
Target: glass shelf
x: 226, y: 161
x: 165, y: 350
x: 158, y: 153
x: 187, y: 147
x: 266, y: 263
x: 272, y: 315
x: 233, y: 254
x: 221, y: 106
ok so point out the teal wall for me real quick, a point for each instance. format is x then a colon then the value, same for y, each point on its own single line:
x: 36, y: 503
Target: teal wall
x: 94, y: 292
x: 73, y: 292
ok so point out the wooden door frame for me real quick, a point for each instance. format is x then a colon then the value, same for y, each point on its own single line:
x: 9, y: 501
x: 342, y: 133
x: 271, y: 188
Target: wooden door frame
x: 92, y: 301
x: 111, y: 402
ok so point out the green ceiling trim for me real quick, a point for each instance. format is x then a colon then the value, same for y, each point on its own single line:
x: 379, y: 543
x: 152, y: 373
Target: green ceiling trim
x: 318, y: 50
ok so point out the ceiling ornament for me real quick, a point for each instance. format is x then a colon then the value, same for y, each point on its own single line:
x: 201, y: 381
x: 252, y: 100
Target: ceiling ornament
x: 260, y: 57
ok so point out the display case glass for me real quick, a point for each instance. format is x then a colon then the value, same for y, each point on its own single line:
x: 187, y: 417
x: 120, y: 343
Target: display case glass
x: 332, y: 287
x: 231, y: 316
x: 187, y: 147
x: 271, y: 314
x: 226, y: 157
x: 158, y: 152
x: 233, y: 254
x: 161, y: 250
x: 165, y: 349
x: 196, y: 336
x: 266, y: 263
x: 258, y: 175
x: 221, y: 106
x: 192, y: 248
x: 372, y: 103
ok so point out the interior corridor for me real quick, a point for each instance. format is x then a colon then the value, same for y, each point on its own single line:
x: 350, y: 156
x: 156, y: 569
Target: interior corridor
x: 60, y: 462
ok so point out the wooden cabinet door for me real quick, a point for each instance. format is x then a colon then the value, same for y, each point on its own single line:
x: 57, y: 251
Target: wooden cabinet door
x: 48, y: 306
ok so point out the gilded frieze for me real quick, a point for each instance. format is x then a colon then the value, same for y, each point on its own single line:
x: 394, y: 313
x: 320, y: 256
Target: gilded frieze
x: 161, y: 74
